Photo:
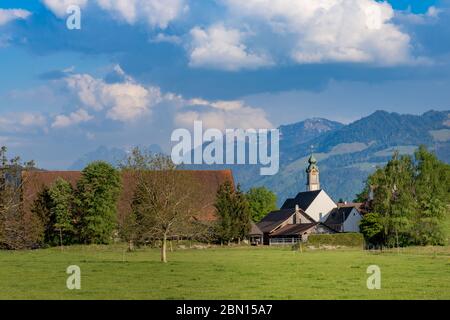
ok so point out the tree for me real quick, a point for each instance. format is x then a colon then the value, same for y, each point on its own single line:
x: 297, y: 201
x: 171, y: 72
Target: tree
x: 411, y: 197
x: 61, y: 196
x: 261, y: 202
x: 241, y: 216
x: 233, y: 210
x: 96, y: 202
x: 18, y: 230
x: 164, y: 201
x: 224, y: 210
x: 41, y: 209
x: 371, y: 226
x: 55, y: 208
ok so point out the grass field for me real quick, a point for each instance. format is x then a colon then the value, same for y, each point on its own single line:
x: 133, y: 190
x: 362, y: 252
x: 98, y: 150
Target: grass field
x: 108, y: 272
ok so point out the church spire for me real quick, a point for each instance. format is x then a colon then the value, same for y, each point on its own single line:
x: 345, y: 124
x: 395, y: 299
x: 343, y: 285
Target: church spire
x: 312, y: 175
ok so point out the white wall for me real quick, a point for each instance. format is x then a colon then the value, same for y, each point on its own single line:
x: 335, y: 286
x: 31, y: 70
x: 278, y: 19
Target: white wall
x: 323, y: 204
x: 352, y: 222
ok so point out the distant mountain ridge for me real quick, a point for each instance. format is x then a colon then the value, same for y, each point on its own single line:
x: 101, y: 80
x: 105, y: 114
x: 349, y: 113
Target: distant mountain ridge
x: 347, y: 154
x: 111, y: 155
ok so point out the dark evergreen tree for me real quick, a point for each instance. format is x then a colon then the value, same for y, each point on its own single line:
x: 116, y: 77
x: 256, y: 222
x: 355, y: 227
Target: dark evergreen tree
x: 224, y: 209
x: 241, y: 217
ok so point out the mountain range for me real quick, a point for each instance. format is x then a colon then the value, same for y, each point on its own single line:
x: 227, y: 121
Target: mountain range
x: 112, y: 155
x: 346, y: 154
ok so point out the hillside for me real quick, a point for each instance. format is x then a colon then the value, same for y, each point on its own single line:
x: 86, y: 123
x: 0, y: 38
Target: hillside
x: 347, y: 154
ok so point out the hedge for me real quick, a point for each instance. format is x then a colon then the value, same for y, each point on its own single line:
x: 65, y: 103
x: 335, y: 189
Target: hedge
x: 339, y: 239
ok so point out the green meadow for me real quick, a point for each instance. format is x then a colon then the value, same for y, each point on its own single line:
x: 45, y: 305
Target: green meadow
x: 109, y: 272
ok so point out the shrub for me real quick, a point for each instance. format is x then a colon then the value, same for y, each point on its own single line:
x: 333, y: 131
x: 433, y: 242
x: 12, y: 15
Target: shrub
x: 339, y: 239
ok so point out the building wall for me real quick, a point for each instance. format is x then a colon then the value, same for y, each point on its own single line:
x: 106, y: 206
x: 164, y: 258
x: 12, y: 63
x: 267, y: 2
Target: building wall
x: 352, y: 222
x: 323, y: 204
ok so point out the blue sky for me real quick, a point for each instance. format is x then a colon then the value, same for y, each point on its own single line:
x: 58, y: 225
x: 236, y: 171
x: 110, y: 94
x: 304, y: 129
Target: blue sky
x: 137, y: 69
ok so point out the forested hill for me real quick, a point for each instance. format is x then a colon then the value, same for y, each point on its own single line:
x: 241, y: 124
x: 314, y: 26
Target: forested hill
x: 347, y: 154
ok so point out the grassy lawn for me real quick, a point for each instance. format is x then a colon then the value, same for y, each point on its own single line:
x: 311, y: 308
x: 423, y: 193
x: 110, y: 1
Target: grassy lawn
x: 225, y: 273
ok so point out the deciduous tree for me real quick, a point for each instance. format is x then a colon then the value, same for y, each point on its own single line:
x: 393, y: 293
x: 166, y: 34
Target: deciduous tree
x: 261, y: 202
x: 96, y: 202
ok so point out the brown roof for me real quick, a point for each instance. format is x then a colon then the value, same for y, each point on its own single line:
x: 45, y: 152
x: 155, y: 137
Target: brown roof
x: 254, y: 231
x: 360, y: 206
x: 293, y: 229
x: 297, y: 229
x: 275, y: 219
x: 207, y: 180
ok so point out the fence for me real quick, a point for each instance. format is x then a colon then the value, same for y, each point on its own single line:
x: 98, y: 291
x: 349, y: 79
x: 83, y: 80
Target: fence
x: 283, y: 241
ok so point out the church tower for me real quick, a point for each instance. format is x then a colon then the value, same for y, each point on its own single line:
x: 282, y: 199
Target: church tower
x: 312, y: 175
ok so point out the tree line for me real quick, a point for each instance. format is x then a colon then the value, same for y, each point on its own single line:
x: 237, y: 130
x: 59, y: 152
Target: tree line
x: 409, y: 201
x: 163, y: 207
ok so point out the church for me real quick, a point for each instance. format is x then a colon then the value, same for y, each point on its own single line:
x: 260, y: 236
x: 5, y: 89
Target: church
x: 311, y: 211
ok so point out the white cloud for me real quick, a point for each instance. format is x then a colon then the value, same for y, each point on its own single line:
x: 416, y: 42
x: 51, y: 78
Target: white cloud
x: 79, y: 116
x: 161, y: 37
x: 330, y: 30
x: 222, y: 115
x: 220, y: 48
x: 8, y: 15
x: 157, y: 13
x: 59, y: 7
x: 128, y: 100
x: 125, y: 101
x: 22, y: 121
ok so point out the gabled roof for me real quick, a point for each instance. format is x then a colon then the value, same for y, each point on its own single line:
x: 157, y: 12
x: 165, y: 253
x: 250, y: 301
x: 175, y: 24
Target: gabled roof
x: 303, y: 200
x: 274, y: 219
x: 293, y: 229
x: 360, y: 206
x: 339, y: 215
x: 255, y: 231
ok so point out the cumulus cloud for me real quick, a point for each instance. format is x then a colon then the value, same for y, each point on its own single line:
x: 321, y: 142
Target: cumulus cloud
x: 126, y: 100
x: 330, y: 30
x: 222, y: 115
x: 123, y: 101
x: 59, y: 7
x: 79, y: 116
x: 8, y: 15
x: 220, y: 48
x: 157, y: 13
